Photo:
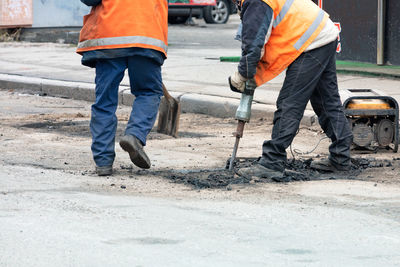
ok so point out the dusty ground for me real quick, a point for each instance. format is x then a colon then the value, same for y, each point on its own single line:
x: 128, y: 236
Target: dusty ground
x: 55, y: 211
x: 53, y: 133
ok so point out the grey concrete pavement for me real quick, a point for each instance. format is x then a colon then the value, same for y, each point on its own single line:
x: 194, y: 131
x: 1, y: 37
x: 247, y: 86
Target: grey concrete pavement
x: 58, y: 225
x: 54, y: 212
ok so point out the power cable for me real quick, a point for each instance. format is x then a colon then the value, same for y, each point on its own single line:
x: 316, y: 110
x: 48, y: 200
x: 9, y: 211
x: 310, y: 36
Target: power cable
x: 299, y: 152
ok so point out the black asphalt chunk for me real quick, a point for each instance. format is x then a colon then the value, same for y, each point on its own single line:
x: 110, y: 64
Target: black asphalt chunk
x: 296, y: 170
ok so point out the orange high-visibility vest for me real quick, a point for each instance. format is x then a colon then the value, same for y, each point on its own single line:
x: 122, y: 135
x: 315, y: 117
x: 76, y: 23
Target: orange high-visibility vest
x: 126, y: 23
x: 296, y: 24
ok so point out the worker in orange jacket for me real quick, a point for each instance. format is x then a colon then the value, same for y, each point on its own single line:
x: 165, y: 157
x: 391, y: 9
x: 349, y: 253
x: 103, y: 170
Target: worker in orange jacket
x: 119, y: 35
x: 298, y: 36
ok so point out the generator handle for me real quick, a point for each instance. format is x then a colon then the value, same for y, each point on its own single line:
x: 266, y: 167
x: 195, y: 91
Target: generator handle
x: 391, y: 100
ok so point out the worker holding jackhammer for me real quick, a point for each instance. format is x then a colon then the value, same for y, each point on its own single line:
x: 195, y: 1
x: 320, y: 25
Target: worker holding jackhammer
x: 298, y: 36
x: 119, y: 35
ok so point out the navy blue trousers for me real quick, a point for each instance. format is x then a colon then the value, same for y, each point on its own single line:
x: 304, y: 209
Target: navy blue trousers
x: 146, y: 85
x: 311, y: 77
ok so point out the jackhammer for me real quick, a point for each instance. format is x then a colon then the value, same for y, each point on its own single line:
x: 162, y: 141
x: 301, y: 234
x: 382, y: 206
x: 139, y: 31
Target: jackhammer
x: 243, y: 114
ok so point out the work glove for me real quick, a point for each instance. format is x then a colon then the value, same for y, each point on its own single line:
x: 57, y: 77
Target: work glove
x: 237, y: 82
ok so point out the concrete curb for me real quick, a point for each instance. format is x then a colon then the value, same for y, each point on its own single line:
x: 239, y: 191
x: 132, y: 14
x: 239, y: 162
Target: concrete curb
x: 363, y: 72
x: 216, y: 106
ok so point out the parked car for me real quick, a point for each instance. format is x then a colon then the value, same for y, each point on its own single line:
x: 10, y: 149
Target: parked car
x: 213, y: 11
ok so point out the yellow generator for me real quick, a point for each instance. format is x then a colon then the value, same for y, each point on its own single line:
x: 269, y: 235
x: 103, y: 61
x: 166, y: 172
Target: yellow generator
x: 373, y: 118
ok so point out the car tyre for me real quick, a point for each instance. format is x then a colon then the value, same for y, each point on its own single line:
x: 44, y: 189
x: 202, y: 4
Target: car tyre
x: 218, y: 14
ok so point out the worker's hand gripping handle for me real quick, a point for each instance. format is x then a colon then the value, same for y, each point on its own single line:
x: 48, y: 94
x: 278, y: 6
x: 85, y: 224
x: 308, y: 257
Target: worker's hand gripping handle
x: 243, y: 113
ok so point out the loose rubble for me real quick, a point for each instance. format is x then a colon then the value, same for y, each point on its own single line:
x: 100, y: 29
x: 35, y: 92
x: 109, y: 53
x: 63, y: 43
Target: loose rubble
x: 296, y: 170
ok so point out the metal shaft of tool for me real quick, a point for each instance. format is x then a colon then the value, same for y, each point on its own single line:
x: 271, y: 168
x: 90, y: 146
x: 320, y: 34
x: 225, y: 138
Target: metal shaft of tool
x: 238, y: 135
x: 235, y: 148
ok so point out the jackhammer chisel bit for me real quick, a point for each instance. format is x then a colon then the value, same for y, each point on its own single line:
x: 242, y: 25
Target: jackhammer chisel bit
x: 243, y: 114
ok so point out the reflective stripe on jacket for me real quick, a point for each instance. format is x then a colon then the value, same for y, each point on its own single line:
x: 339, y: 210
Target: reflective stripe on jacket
x: 126, y: 23
x: 296, y: 24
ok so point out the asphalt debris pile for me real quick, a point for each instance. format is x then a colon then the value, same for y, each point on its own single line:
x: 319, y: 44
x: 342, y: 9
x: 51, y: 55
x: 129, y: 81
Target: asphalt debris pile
x: 296, y: 170
x: 300, y: 170
x: 207, y: 178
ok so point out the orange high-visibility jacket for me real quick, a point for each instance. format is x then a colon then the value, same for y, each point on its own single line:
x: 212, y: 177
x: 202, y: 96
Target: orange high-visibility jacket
x: 126, y: 23
x: 296, y: 24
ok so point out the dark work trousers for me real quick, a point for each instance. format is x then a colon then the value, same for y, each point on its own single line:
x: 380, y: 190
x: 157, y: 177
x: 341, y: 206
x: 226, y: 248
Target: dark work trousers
x: 312, y: 76
x: 146, y: 85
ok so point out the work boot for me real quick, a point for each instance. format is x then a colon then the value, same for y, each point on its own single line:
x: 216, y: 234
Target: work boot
x: 134, y: 147
x: 328, y: 166
x: 260, y: 171
x: 104, y: 170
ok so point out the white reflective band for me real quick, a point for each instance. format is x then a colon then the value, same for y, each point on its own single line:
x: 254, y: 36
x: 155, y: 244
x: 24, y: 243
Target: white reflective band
x: 283, y: 12
x: 310, y: 30
x: 123, y: 40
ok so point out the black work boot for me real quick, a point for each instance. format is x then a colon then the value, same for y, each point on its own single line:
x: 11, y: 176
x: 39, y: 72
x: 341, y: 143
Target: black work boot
x: 328, y: 166
x: 260, y: 171
x: 134, y: 147
x: 104, y: 170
